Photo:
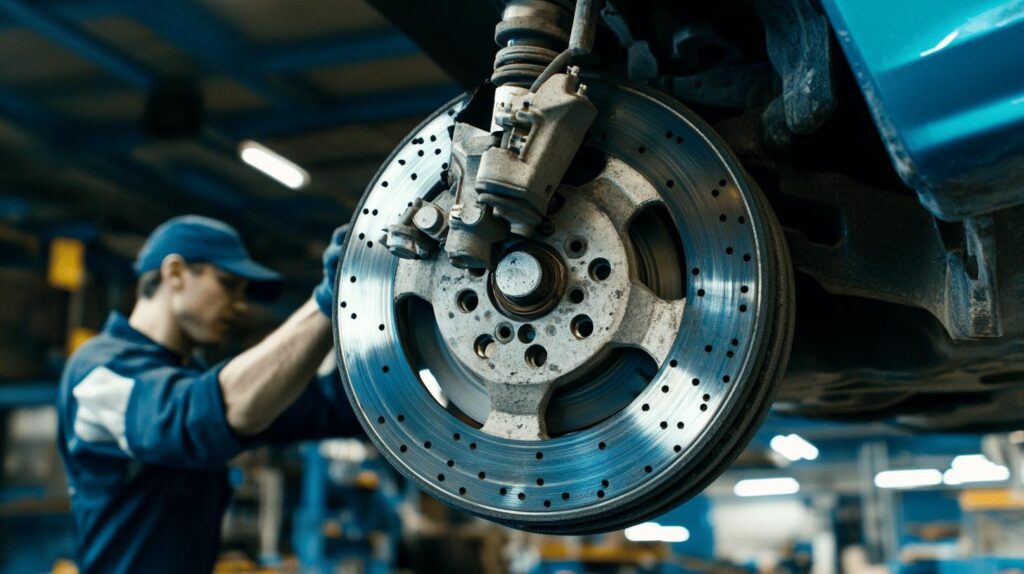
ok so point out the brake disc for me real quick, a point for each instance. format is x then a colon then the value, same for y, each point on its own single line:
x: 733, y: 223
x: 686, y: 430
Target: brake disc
x: 602, y: 372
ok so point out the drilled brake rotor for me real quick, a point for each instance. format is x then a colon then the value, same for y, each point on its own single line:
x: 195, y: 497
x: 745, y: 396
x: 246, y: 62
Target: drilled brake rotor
x: 603, y: 371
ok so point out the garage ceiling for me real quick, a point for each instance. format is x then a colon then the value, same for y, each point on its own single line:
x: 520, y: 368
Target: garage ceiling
x: 330, y: 85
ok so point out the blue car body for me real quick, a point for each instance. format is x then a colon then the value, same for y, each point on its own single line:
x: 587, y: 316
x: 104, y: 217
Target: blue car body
x: 944, y: 80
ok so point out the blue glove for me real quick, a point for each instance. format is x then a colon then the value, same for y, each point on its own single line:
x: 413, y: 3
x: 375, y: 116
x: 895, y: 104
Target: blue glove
x: 324, y: 292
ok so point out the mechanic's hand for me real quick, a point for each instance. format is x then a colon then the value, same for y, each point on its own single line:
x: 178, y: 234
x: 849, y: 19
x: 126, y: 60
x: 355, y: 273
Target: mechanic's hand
x: 324, y: 292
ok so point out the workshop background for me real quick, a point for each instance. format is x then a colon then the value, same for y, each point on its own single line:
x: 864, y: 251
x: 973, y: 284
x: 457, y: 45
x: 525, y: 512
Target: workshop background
x: 116, y: 115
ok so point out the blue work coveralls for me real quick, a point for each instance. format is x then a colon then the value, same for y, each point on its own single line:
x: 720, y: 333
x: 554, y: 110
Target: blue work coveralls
x: 144, y: 440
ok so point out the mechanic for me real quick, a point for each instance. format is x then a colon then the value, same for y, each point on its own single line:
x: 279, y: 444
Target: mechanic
x: 146, y: 429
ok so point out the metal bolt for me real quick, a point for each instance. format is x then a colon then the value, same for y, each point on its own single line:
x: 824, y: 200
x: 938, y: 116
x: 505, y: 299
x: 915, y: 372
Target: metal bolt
x: 429, y: 219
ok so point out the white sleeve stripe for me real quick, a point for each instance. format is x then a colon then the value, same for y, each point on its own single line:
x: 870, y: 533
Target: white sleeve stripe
x: 102, y: 398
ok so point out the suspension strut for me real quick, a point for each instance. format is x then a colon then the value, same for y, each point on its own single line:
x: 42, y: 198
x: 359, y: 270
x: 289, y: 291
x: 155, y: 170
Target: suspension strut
x: 504, y: 178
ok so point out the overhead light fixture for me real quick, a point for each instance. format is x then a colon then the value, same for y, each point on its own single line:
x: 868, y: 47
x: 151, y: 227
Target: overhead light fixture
x: 909, y: 478
x: 766, y: 486
x: 273, y: 164
x: 794, y: 447
x: 974, y: 468
x: 654, y: 532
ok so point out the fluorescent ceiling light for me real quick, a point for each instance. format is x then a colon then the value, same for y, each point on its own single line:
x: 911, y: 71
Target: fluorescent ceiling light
x: 273, y: 164
x: 654, y: 532
x: 910, y: 478
x: 974, y: 468
x: 794, y: 447
x: 766, y: 486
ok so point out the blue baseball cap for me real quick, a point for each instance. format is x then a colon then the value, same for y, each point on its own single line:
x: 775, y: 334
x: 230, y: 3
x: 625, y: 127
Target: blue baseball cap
x: 201, y: 239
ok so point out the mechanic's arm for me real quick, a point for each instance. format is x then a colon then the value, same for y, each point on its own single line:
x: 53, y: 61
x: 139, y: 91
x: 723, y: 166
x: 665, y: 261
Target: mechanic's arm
x: 259, y: 384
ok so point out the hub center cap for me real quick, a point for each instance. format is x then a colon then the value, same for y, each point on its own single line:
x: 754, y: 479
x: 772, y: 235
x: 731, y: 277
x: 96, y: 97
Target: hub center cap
x: 528, y: 281
x: 519, y: 276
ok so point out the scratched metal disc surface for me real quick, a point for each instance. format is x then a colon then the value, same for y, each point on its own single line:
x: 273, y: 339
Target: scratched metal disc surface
x: 643, y: 416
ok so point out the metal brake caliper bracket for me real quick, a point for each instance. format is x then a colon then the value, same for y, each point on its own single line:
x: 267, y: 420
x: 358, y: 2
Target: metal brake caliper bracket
x: 542, y: 133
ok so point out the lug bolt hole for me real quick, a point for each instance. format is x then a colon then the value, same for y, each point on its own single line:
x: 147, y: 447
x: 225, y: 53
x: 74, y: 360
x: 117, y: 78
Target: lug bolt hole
x: 575, y: 246
x: 504, y: 332
x: 536, y: 356
x: 577, y: 295
x: 485, y: 346
x: 527, y: 334
x: 600, y: 269
x: 582, y: 326
x: 467, y: 301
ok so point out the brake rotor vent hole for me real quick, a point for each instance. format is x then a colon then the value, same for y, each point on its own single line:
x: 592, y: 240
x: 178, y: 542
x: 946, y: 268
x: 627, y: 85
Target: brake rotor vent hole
x: 504, y: 332
x: 577, y: 295
x: 527, y: 334
x: 467, y: 301
x: 582, y: 326
x: 485, y: 346
x: 600, y: 269
x: 536, y: 356
x: 575, y: 246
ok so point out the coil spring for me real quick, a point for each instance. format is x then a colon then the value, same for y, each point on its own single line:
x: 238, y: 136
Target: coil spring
x: 531, y: 34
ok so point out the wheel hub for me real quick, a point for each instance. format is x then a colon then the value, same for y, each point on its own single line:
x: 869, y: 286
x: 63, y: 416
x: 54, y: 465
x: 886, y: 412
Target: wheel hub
x: 528, y: 281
